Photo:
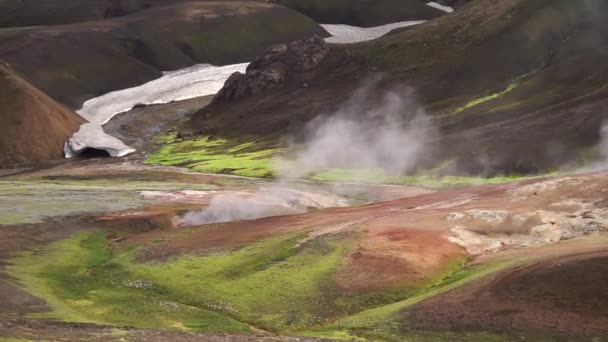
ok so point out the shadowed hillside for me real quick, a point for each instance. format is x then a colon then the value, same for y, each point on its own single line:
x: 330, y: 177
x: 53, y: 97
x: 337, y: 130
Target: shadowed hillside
x: 513, y: 85
x: 75, y: 62
x: 34, y: 127
x: 363, y: 12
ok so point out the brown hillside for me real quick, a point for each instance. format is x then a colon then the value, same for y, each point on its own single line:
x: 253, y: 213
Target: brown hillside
x: 33, y: 127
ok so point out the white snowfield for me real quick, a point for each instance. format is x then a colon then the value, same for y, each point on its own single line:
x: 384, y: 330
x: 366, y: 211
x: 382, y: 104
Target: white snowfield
x: 195, y: 81
x: 441, y: 7
x: 347, y: 34
x: 91, y: 135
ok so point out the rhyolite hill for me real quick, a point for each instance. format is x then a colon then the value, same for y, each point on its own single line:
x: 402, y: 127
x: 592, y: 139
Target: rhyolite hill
x: 33, y: 127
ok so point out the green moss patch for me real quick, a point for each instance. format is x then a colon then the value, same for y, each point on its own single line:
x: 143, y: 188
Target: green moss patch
x: 81, y: 284
x: 255, y: 159
x: 271, y: 284
x: 483, y: 99
x: 277, y: 284
x: 243, y: 158
x: 424, y: 180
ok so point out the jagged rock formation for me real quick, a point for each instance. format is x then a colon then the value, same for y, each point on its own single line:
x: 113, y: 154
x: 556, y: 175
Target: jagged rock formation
x: 274, y: 67
x: 33, y: 127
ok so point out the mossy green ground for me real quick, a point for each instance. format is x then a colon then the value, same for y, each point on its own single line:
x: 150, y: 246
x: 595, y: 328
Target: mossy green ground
x: 243, y: 158
x: 426, y: 180
x: 81, y: 284
x: 255, y: 159
x: 276, y: 285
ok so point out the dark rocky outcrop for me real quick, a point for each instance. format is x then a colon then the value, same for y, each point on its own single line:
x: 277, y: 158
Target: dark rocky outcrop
x: 274, y: 67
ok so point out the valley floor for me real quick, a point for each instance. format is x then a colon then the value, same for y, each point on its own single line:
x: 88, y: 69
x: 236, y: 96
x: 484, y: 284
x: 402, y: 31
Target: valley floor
x: 100, y: 250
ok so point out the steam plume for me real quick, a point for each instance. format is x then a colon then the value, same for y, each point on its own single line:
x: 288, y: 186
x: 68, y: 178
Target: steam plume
x: 389, y: 131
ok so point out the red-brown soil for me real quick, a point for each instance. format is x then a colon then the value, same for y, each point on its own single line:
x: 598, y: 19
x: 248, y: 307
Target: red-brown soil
x: 398, y: 242
x: 394, y: 257
x: 564, y: 295
x: 33, y: 127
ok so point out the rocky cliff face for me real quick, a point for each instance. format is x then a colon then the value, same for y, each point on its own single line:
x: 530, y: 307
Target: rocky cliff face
x: 274, y: 67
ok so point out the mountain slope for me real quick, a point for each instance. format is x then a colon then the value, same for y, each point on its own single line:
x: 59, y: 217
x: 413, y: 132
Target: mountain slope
x: 75, y: 62
x: 363, y: 12
x: 33, y: 126
x: 512, y: 85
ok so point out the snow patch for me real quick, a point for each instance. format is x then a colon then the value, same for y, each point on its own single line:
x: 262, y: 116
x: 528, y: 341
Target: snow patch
x: 441, y: 7
x: 92, y: 135
x: 347, y: 34
x: 195, y: 81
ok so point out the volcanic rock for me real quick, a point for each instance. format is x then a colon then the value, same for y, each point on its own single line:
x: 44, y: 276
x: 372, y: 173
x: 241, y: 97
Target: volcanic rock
x: 274, y: 67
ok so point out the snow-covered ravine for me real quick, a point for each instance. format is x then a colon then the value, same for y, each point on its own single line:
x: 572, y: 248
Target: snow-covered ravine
x: 347, y: 34
x: 194, y: 81
x: 183, y: 84
x: 187, y: 83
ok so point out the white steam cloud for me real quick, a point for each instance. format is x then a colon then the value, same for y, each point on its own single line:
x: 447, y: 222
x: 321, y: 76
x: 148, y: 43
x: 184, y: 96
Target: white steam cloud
x: 254, y: 204
x: 604, y: 144
x: 388, y: 132
x: 602, y: 162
